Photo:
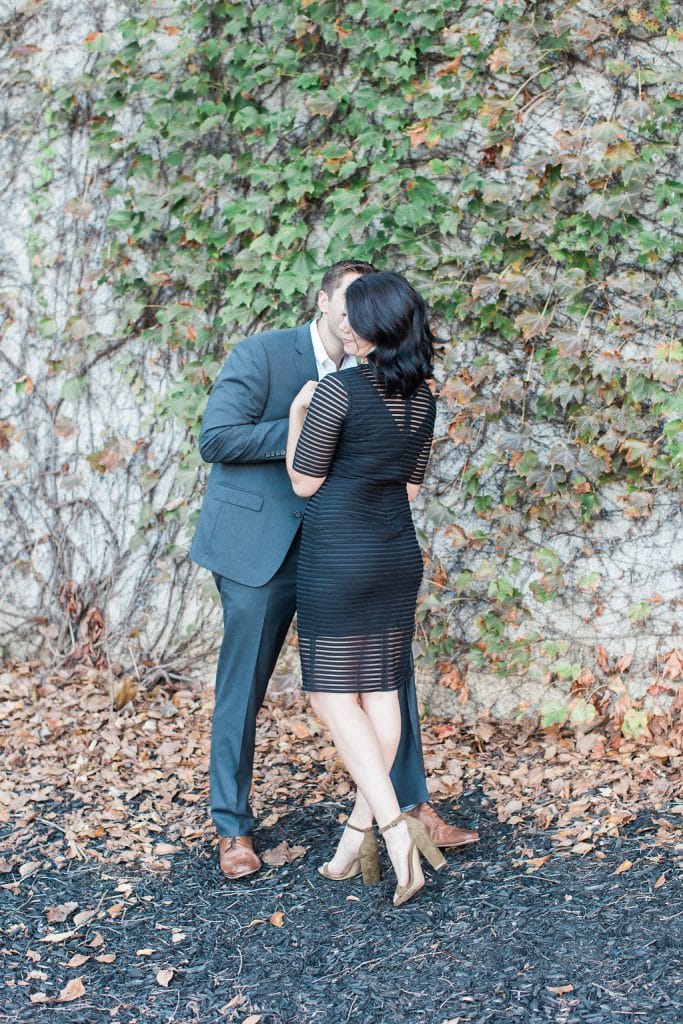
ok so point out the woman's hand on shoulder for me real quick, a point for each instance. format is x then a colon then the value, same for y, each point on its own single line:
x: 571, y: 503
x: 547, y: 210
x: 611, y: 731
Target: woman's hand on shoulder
x: 302, y: 399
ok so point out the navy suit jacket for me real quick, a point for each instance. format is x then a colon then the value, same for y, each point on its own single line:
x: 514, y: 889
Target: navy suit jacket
x: 250, y: 514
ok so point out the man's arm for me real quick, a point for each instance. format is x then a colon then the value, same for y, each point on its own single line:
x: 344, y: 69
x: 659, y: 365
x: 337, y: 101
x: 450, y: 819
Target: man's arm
x: 232, y: 428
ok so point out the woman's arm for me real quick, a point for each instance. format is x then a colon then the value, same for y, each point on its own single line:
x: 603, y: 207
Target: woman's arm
x: 304, y: 486
x: 316, y: 418
x: 413, y: 491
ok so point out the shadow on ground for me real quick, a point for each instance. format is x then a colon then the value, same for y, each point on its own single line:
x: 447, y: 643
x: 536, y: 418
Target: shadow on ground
x: 485, y: 942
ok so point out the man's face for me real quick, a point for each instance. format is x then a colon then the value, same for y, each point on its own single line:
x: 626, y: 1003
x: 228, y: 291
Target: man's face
x: 333, y: 308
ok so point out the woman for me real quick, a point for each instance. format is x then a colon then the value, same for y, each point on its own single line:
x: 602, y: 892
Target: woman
x: 358, y: 447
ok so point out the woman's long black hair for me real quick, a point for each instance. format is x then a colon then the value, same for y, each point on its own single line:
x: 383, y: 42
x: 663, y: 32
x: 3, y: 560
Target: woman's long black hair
x: 384, y: 309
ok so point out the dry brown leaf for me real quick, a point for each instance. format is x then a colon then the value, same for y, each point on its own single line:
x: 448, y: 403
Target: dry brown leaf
x: 106, y: 958
x: 115, y: 910
x: 560, y: 990
x: 77, y: 960
x: 164, y: 976
x: 144, y: 952
x: 536, y: 862
x: 660, y: 881
x: 59, y: 913
x: 662, y: 752
x: 283, y: 853
x: 29, y: 868
x: 625, y: 865
x: 277, y: 919
x: 253, y: 1018
x: 73, y: 989
x: 84, y: 917
x: 237, y: 1000
x: 39, y: 997
x: 163, y: 848
x: 97, y: 941
x: 59, y: 936
x: 125, y: 692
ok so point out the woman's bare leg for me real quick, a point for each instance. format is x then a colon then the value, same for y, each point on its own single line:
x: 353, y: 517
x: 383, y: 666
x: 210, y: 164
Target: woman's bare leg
x: 366, y: 738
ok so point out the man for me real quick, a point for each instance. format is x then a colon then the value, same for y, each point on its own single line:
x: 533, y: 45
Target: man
x: 248, y: 536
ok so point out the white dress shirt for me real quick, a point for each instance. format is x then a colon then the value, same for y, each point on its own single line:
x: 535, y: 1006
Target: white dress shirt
x: 323, y: 362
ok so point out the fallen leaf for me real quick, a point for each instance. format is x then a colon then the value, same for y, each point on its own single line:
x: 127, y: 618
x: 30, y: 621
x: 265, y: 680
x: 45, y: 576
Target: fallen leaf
x: 115, y: 910
x: 164, y: 976
x: 39, y: 997
x: 560, y: 990
x: 662, y: 752
x: 29, y: 868
x: 59, y: 936
x: 536, y: 862
x: 283, y: 853
x: 125, y: 692
x: 106, y: 958
x: 237, y: 1000
x: 660, y: 882
x: 625, y: 865
x: 277, y: 919
x: 97, y: 941
x: 253, y: 1018
x: 77, y: 960
x: 73, y: 989
x: 144, y: 952
x: 59, y: 913
x: 84, y: 917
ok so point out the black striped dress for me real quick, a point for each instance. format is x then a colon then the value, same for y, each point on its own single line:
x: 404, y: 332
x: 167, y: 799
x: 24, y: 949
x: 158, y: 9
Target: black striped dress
x: 360, y: 565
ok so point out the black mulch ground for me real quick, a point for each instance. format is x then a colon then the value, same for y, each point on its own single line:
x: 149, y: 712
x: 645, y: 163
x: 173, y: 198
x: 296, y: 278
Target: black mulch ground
x: 485, y: 942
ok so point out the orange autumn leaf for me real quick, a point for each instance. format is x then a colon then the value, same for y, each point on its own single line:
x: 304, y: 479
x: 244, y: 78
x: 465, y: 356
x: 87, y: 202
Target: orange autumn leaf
x: 450, y: 68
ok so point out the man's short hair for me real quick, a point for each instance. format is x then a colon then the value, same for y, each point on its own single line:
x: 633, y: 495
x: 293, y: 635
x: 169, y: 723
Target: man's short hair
x: 334, y: 274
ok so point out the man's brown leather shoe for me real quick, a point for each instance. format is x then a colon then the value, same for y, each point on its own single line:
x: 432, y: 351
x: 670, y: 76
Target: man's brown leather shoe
x: 440, y: 832
x: 236, y: 856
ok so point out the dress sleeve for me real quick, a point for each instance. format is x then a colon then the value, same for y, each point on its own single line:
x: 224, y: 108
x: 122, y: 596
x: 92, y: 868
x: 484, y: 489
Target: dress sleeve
x: 418, y: 474
x: 321, y: 429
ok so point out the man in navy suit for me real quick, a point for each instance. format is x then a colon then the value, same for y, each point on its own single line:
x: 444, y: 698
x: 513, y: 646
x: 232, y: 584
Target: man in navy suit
x: 248, y: 536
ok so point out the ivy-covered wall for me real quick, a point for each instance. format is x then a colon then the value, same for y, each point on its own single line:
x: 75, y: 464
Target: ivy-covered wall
x: 177, y: 175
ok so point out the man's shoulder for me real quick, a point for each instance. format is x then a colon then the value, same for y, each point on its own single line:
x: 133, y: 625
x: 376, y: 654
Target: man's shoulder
x: 275, y: 341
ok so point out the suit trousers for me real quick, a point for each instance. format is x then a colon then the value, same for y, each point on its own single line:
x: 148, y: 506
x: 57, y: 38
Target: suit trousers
x: 255, y: 625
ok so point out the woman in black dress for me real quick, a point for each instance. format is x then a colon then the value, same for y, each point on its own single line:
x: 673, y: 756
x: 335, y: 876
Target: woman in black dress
x: 358, y: 447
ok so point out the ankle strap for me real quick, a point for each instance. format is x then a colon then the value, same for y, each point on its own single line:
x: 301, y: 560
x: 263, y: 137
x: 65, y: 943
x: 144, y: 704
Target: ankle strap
x: 356, y: 829
x: 396, y: 821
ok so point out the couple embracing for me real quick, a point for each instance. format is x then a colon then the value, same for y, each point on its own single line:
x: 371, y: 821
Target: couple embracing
x: 319, y: 436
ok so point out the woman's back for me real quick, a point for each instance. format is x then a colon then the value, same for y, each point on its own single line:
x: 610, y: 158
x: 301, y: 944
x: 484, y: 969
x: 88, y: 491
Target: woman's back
x: 355, y: 432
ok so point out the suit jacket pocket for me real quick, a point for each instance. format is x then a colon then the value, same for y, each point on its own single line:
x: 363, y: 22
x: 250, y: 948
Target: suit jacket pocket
x: 236, y: 496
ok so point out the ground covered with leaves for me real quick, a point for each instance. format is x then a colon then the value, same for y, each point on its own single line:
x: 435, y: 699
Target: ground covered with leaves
x: 113, y: 908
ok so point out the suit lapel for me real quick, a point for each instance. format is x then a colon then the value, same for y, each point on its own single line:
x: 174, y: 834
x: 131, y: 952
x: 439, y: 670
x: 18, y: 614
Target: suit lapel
x: 305, y: 358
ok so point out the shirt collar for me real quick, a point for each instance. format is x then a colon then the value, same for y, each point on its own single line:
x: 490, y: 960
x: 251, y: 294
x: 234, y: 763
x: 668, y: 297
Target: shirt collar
x: 320, y: 353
